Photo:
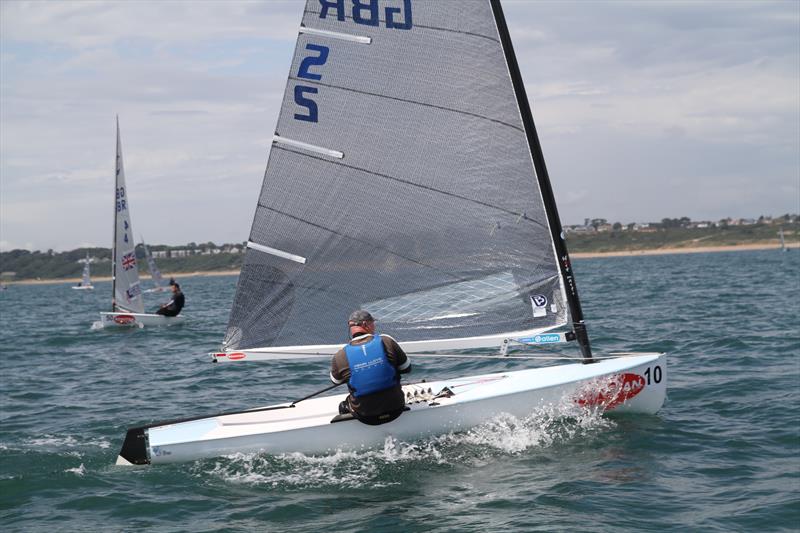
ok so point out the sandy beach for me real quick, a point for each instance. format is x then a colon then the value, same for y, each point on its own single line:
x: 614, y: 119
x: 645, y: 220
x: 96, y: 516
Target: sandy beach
x: 693, y: 250
x: 95, y: 279
x: 574, y: 255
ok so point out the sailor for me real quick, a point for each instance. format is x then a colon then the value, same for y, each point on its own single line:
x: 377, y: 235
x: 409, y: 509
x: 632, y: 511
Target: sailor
x: 174, y: 306
x: 371, y: 365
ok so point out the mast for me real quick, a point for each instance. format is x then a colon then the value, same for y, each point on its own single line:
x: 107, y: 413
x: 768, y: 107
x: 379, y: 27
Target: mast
x: 114, y: 241
x: 554, y: 223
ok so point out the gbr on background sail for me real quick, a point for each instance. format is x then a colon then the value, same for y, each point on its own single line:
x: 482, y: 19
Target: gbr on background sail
x: 401, y: 180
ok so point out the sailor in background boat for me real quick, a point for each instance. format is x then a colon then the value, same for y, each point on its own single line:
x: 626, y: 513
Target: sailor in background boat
x: 371, y: 365
x: 174, y: 306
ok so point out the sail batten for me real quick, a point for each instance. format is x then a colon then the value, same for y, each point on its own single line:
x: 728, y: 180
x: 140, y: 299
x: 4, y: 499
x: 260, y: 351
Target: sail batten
x: 407, y: 101
x: 276, y: 252
x: 432, y: 218
x: 309, y: 147
x: 337, y: 35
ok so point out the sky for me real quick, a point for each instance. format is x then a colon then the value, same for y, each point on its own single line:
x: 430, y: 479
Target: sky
x: 645, y: 110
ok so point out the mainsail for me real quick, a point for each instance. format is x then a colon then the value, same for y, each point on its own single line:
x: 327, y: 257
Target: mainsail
x: 127, y: 294
x: 404, y: 178
x: 155, y: 274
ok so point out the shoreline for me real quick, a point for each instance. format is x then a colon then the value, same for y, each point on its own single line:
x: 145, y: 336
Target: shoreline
x: 574, y: 255
x: 95, y: 279
x: 687, y: 250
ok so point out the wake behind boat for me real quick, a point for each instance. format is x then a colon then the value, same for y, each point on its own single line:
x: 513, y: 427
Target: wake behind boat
x: 409, y: 182
x: 127, y: 306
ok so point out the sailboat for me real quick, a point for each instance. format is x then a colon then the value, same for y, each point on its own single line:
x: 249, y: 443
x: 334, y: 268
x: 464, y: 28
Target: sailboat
x: 86, y: 282
x: 783, y: 242
x: 405, y: 178
x: 127, y: 306
x: 155, y: 273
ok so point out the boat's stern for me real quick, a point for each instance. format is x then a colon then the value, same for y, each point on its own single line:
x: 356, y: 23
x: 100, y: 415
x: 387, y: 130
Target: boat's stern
x: 134, y: 449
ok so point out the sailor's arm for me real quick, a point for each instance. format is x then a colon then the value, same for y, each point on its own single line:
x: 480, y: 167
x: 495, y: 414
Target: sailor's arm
x: 396, y: 355
x: 337, y: 372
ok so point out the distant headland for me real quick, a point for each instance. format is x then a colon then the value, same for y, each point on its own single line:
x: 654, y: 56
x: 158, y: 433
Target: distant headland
x: 595, y: 238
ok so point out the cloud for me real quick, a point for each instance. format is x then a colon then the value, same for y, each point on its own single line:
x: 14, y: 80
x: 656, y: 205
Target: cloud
x: 663, y: 108
x: 87, y: 25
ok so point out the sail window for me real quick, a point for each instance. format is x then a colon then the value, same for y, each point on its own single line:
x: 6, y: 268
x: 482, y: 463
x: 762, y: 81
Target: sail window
x: 276, y: 252
x: 455, y: 300
x: 337, y: 35
x: 277, y: 139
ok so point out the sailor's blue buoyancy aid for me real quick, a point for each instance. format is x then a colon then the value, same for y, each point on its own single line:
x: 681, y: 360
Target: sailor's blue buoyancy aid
x: 370, y: 369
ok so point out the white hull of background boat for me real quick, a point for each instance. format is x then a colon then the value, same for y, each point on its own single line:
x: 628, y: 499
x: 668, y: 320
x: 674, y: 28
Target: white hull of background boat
x: 122, y: 319
x: 635, y: 383
x: 83, y: 288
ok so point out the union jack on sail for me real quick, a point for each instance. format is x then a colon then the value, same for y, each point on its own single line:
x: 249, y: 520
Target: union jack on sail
x: 129, y: 261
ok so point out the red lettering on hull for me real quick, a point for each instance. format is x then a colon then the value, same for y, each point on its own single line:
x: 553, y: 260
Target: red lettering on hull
x: 124, y: 320
x: 618, y: 389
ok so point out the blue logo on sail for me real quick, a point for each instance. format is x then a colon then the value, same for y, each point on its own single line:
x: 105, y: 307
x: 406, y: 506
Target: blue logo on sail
x: 547, y: 338
x: 133, y: 292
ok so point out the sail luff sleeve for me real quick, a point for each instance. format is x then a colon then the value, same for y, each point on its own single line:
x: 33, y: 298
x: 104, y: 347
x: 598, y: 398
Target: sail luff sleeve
x: 545, y: 187
x: 400, y: 173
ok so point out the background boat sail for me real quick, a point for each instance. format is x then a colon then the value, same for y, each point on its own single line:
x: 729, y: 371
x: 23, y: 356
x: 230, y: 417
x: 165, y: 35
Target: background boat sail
x: 155, y: 273
x: 127, y: 306
x: 783, y: 242
x: 405, y: 178
x: 86, y: 281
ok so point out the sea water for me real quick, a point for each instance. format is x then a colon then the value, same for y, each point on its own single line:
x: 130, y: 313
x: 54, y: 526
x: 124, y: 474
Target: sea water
x: 722, y: 455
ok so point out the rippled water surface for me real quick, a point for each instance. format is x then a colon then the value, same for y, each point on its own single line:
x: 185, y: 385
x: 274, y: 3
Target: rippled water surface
x: 723, y: 455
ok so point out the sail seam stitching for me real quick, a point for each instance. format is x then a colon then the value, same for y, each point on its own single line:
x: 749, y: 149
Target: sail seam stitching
x: 295, y: 217
x: 425, y: 187
x: 358, y: 91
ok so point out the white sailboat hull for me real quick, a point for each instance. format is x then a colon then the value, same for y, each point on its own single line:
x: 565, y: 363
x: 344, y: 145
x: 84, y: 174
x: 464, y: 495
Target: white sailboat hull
x: 122, y: 319
x: 624, y: 384
x: 83, y: 287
